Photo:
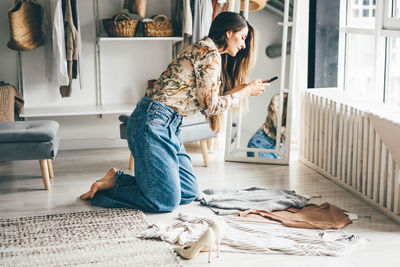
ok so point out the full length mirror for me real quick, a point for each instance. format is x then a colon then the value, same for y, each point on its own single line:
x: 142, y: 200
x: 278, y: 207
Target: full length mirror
x: 262, y: 132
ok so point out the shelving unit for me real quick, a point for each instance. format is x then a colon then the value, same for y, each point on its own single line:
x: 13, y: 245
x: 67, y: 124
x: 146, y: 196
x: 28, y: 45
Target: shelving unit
x: 77, y: 110
x: 129, y: 39
x: 99, y: 107
x: 101, y: 38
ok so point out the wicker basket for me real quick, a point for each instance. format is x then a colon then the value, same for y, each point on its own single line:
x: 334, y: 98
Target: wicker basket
x: 159, y: 26
x: 25, y: 26
x: 124, y: 27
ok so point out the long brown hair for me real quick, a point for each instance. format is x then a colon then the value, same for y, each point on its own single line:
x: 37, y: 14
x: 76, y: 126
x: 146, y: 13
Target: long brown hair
x: 271, y: 122
x: 235, y: 70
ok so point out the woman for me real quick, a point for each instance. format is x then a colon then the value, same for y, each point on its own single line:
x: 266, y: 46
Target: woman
x: 265, y: 137
x: 164, y: 176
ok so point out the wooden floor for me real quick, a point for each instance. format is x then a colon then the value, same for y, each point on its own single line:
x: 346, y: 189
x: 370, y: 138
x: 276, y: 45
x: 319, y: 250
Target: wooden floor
x: 22, y: 194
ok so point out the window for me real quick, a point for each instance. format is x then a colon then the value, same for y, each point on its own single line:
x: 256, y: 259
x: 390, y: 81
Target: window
x: 371, y: 50
x: 395, y: 9
x: 361, y: 14
x: 392, y: 14
x: 359, y: 70
x: 393, y: 92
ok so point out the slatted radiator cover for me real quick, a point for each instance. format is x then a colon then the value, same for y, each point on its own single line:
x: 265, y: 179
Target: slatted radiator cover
x: 339, y: 141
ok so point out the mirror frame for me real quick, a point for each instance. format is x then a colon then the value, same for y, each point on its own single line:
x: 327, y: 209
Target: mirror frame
x: 230, y: 148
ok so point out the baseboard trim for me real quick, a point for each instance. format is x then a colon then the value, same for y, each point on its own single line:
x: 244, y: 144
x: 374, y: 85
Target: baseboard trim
x: 388, y: 213
x: 91, y: 143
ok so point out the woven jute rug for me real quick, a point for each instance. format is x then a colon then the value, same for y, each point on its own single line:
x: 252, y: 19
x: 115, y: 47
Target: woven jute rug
x: 101, y: 238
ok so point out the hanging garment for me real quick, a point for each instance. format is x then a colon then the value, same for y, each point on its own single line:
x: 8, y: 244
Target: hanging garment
x: 202, y: 18
x: 53, y: 29
x: 25, y: 26
x: 229, y: 201
x: 183, y: 17
x: 324, y: 216
x: 248, y: 235
x: 11, y: 102
x: 215, y: 5
x: 177, y: 16
x: 71, y: 39
x: 136, y: 7
x: 228, y: 5
x: 187, y: 23
x: 76, y: 68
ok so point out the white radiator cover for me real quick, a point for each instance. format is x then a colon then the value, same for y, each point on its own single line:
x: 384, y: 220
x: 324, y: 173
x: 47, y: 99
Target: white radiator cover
x: 339, y: 142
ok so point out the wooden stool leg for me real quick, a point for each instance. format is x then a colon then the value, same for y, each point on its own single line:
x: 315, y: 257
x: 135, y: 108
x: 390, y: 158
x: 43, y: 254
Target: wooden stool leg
x: 204, y: 150
x: 131, y: 162
x: 45, y: 173
x: 50, y: 166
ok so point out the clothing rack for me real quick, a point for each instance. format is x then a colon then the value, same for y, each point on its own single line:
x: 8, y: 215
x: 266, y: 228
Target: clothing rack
x: 19, y: 73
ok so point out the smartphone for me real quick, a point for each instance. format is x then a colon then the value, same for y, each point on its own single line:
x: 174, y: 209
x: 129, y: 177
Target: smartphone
x: 271, y: 80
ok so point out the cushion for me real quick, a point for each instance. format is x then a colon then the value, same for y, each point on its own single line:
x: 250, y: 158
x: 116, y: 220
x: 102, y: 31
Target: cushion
x: 193, y: 128
x: 29, y: 150
x: 28, y: 131
x: 195, y: 132
x: 194, y: 119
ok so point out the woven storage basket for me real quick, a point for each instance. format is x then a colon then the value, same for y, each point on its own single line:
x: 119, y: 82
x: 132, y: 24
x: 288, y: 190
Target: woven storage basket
x: 25, y: 26
x: 121, y: 25
x: 159, y: 26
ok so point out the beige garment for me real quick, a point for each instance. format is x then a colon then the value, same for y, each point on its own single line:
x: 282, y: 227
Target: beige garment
x: 136, y: 7
x: 10, y: 100
x: 324, y: 216
x: 228, y: 6
x: 72, y: 47
x: 187, y: 27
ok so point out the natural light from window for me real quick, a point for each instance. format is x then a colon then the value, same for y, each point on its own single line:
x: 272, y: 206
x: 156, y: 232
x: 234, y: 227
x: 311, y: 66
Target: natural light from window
x: 359, y: 71
x: 369, y: 71
x: 361, y: 14
x: 393, y: 95
x: 396, y: 9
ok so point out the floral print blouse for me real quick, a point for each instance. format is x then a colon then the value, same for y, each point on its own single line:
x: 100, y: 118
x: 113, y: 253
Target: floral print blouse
x: 192, y: 80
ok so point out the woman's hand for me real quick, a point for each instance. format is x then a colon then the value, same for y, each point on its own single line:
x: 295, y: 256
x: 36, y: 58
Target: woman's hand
x: 254, y: 88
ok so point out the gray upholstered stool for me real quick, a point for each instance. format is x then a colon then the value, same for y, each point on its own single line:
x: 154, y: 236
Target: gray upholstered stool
x: 193, y: 128
x: 30, y: 140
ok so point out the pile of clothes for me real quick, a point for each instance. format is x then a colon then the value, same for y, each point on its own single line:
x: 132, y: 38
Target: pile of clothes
x: 264, y: 221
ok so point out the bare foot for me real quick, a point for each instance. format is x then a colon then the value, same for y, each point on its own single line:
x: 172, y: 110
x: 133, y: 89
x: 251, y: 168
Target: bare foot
x: 106, y: 182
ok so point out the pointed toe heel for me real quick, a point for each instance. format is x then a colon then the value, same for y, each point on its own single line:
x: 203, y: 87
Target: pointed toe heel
x: 206, y: 241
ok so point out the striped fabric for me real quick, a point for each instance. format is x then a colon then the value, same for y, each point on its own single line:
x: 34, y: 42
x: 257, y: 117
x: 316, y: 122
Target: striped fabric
x: 247, y: 235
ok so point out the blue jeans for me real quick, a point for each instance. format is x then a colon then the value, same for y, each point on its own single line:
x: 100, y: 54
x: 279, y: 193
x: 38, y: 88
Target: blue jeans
x: 164, y: 177
x: 261, y: 140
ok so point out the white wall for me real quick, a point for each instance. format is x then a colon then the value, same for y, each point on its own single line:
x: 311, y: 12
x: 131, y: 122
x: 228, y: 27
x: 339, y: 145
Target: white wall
x: 126, y: 66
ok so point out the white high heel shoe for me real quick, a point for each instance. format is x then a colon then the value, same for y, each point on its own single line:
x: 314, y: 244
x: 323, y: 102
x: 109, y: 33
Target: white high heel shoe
x: 206, y: 241
x: 219, y: 231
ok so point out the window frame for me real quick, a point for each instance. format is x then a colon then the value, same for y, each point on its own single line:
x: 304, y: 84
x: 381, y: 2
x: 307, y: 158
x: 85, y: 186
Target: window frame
x: 384, y: 28
x: 390, y: 23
